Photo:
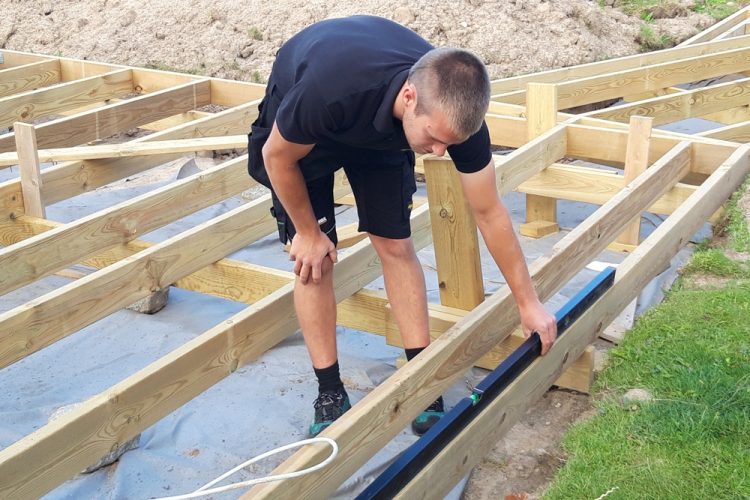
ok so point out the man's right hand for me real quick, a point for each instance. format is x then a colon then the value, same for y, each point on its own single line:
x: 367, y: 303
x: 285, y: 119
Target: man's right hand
x: 308, y: 252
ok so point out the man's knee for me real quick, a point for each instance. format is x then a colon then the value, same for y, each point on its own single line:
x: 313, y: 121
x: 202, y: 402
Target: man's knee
x: 393, y: 249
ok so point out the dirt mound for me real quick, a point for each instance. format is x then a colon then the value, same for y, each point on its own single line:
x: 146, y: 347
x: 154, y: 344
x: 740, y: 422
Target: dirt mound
x: 238, y: 39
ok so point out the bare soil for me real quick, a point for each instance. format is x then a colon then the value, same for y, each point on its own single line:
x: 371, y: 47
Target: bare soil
x: 238, y: 40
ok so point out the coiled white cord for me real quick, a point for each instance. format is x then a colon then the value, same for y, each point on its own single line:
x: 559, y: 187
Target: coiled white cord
x: 203, y: 490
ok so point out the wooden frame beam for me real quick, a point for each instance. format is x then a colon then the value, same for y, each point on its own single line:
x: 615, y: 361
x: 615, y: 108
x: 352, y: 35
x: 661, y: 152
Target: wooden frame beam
x: 632, y: 81
x: 577, y: 72
x: 34, y: 104
x: 717, y: 29
x: 19, y: 79
x: 36, y: 257
x: 71, y: 179
x: 127, y: 149
x: 687, y: 104
x: 738, y: 132
x: 104, y: 122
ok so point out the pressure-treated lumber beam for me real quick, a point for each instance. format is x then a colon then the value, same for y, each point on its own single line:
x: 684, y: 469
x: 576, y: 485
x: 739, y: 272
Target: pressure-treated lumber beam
x: 76, y: 305
x: 388, y: 408
x: 34, y: 104
x: 103, y: 122
x: 49, y: 456
x: 30, y: 76
x: 688, y: 104
x: 70, y: 179
x: 739, y: 132
x: 590, y: 185
x: 717, y: 29
x: 609, y: 145
x: 730, y: 116
x: 506, y: 85
x: 541, y: 115
x: 474, y: 442
x: 12, y: 58
x: 31, y: 178
x: 34, y: 326
x: 173, y: 121
x: 132, y: 149
x: 41, y: 255
x: 231, y: 93
x: 631, y: 81
x: 454, y: 236
x: 636, y: 161
x: 531, y: 158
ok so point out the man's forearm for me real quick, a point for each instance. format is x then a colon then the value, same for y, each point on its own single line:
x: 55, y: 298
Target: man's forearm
x: 289, y: 185
x: 502, y: 242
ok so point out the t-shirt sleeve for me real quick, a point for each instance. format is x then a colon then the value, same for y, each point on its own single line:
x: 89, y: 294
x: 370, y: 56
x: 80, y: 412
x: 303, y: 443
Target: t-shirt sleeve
x: 303, y: 117
x: 474, y: 153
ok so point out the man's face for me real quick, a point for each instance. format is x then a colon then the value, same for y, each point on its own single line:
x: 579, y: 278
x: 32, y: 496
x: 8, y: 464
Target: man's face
x: 427, y: 132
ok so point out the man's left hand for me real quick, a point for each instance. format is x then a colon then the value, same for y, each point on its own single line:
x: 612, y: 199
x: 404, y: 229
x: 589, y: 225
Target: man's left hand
x: 535, y: 318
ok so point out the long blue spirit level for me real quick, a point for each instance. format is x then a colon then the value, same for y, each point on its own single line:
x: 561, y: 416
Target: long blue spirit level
x: 419, y: 455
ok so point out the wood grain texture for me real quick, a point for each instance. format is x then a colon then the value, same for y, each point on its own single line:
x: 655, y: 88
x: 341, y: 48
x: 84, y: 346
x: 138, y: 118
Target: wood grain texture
x: 454, y: 236
x: 518, y: 83
x: 104, y: 122
x: 34, y: 104
x: 739, y: 132
x: 41, y: 255
x: 71, y: 179
x: 19, y: 79
x: 636, y: 161
x: 595, y: 186
x: 541, y: 115
x: 31, y: 178
x: 127, y: 149
x: 687, y: 104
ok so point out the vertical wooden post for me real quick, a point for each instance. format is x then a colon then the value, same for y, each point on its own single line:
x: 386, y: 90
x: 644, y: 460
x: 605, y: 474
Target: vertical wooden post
x: 636, y: 161
x: 28, y: 162
x: 454, y: 235
x: 541, y: 115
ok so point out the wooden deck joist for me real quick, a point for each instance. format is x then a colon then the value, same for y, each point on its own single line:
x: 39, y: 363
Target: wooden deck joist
x: 35, y: 104
x: 577, y: 72
x: 73, y: 178
x: 104, y: 122
x: 622, y: 83
x: 27, y: 77
x: 688, y: 104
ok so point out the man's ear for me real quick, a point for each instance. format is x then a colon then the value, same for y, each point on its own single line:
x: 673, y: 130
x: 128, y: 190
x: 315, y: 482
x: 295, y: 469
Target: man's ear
x: 410, y: 94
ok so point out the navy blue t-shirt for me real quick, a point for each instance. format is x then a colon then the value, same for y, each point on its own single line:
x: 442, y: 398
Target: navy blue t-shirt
x: 338, y: 79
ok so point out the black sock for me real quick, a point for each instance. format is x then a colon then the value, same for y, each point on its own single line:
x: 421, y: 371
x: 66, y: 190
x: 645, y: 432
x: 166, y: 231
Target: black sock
x: 329, y: 379
x: 410, y: 353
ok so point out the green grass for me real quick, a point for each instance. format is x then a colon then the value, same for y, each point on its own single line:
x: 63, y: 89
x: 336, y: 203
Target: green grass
x: 718, y: 9
x: 713, y: 261
x: 739, y: 234
x: 693, y: 440
x: 692, y: 353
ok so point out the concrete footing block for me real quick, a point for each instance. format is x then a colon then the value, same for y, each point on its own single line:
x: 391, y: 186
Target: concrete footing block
x: 152, y: 304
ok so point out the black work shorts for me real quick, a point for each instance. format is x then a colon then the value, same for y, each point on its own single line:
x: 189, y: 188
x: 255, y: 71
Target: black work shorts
x: 382, y: 182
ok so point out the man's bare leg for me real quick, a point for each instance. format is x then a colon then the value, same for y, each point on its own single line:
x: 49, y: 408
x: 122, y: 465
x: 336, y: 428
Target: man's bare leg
x: 404, y: 284
x: 316, y: 312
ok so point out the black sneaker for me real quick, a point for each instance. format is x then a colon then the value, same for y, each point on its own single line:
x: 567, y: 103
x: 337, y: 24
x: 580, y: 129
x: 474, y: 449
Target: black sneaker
x: 429, y: 417
x: 328, y: 407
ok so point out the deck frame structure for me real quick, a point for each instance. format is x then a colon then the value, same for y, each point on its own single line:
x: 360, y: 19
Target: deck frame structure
x: 688, y: 178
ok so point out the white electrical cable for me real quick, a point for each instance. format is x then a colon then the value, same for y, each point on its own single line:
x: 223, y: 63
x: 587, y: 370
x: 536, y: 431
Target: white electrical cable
x: 203, y: 491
